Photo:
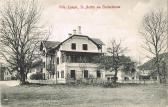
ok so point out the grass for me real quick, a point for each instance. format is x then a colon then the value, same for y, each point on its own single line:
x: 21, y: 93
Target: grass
x: 84, y: 96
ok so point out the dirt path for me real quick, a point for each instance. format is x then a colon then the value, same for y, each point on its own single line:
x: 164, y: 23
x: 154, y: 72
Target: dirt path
x: 8, y: 83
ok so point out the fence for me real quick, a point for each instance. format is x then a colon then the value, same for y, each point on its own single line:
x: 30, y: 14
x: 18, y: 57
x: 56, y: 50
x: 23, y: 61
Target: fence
x: 92, y: 81
x: 100, y: 81
x: 139, y: 81
x: 42, y: 81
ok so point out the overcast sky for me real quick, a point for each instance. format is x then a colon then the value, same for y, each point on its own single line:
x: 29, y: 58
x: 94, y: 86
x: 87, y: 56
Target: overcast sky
x: 120, y: 23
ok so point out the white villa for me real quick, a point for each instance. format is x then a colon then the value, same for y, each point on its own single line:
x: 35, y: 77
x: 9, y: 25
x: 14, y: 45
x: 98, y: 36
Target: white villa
x: 71, y: 59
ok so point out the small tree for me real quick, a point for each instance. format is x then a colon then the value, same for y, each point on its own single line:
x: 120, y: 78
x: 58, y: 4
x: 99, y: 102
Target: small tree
x: 154, y: 29
x: 20, y: 35
x: 115, y: 51
x: 115, y: 59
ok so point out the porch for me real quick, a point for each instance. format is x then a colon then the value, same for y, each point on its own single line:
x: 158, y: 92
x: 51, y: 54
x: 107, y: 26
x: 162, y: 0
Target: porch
x: 79, y: 57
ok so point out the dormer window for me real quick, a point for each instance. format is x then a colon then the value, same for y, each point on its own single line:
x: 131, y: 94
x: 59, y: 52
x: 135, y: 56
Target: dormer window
x: 85, y: 47
x: 73, y: 46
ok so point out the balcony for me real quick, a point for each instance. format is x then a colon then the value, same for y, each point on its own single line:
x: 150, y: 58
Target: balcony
x: 50, y: 67
x: 82, y: 65
x: 79, y: 57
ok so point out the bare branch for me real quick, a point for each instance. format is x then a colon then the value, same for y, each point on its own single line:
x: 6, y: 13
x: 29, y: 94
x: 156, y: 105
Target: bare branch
x: 20, y: 34
x: 154, y: 32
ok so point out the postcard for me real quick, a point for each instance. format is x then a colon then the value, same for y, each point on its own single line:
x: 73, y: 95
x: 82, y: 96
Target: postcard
x: 84, y: 53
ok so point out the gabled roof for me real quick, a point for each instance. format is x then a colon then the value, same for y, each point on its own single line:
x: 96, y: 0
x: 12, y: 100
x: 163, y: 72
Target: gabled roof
x: 55, y: 44
x: 98, y: 41
x: 50, y: 44
x: 150, y: 65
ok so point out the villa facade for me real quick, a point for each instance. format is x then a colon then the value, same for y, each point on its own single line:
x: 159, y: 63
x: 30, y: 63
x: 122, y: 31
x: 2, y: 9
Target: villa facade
x: 72, y: 59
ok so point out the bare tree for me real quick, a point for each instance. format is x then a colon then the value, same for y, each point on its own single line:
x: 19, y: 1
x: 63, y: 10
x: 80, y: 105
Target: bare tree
x: 154, y: 28
x: 20, y: 35
x: 115, y: 51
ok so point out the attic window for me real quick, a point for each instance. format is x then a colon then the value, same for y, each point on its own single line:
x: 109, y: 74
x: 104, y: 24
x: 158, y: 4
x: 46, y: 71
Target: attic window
x: 73, y: 46
x: 85, y: 47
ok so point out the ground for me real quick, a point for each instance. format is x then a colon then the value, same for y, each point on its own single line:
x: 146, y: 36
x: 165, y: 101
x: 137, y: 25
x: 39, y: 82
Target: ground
x: 153, y: 95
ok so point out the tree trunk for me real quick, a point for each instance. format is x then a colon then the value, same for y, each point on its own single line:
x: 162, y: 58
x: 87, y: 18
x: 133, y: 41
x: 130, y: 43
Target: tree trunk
x: 158, y: 68
x: 115, y: 76
x: 23, y: 78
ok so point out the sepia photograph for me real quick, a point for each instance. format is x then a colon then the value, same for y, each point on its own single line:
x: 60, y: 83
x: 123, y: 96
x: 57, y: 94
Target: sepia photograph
x: 83, y: 53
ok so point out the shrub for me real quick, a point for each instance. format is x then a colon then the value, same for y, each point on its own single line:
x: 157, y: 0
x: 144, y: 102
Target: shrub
x: 110, y: 85
x: 37, y: 76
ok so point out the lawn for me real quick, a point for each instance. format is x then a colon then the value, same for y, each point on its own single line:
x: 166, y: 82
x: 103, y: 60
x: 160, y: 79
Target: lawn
x: 84, y: 96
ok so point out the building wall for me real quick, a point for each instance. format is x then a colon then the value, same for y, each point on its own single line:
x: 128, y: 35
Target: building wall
x: 66, y: 67
x: 120, y: 75
x: 44, y: 70
x: 78, y: 67
x: 79, y: 41
x: 60, y: 68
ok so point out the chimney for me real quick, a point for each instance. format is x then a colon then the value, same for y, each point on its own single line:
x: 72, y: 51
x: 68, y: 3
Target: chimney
x: 74, y: 31
x: 69, y: 34
x: 79, y: 29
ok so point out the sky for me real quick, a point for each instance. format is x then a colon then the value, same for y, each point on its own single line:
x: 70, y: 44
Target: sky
x: 121, y: 23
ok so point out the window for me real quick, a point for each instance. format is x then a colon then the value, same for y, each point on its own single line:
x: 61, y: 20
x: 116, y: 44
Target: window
x: 98, y: 74
x: 108, y: 78
x: 57, y: 60
x: 63, y: 58
x: 41, y: 70
x: 43, y: 75
x: 73, y: 46
x: 73, y: 74
x: 85, y: 47
x: 85, y: 73
x: 73, y: 58
x: 154, y: 78
x: 62, y: 74
x: 57, y: 74
x: 43, y: 64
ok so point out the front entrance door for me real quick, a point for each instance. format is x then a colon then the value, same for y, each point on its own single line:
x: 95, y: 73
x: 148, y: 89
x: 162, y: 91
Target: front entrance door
x: 85, y: 73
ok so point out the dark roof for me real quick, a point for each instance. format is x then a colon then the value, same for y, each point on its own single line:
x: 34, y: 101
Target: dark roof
x: 98, y: 41
x: 51, y: 44
x: 56, y: 44
x: 150, y: 65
